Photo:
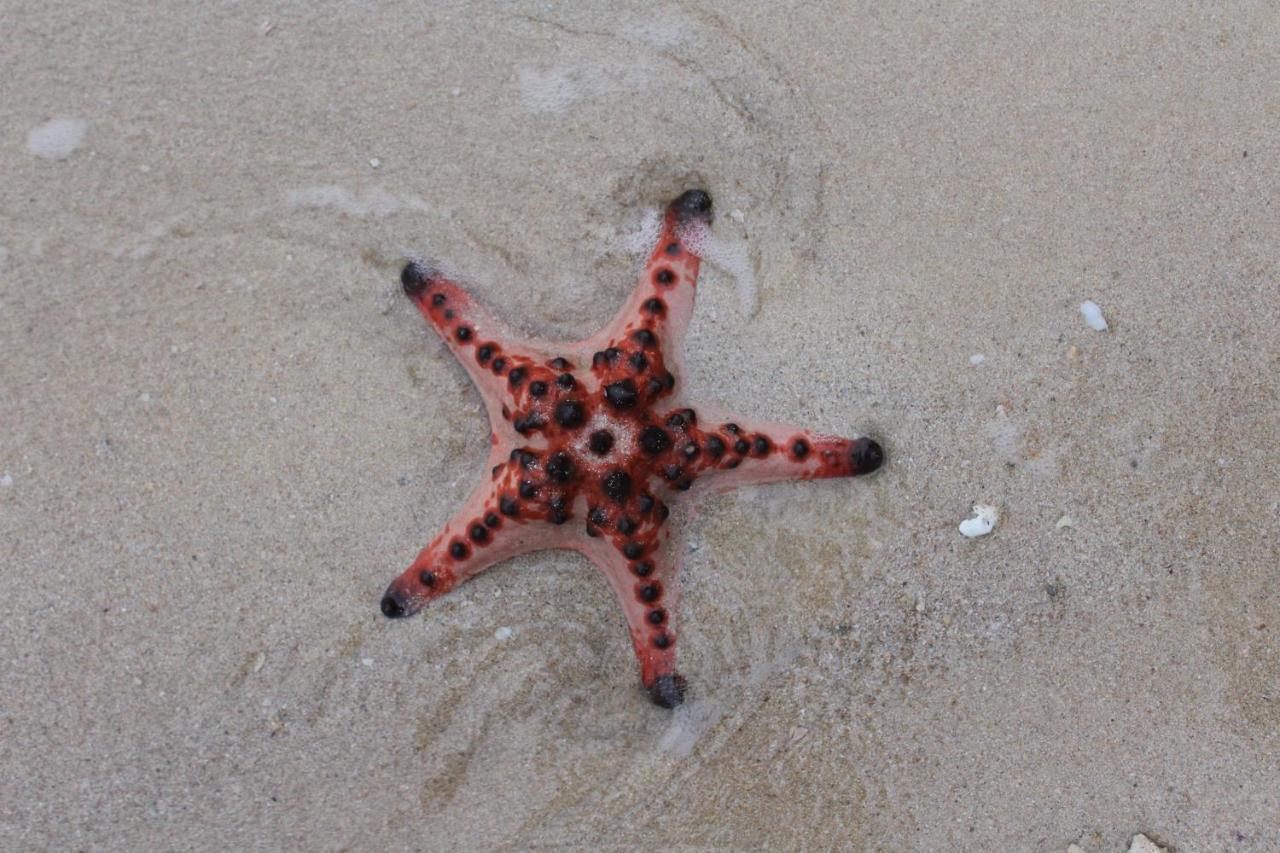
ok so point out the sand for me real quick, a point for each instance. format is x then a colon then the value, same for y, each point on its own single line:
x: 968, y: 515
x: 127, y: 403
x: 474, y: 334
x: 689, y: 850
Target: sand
x: 223, y: 431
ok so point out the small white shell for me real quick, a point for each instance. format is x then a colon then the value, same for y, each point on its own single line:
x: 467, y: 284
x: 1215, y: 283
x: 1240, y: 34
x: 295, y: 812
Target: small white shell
x: 983, y: 521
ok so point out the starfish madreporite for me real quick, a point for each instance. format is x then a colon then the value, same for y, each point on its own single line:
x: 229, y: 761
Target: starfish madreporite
x: 589, y: 444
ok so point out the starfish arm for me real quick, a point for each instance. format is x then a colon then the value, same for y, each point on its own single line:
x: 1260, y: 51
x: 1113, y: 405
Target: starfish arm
x: 662, y: 301
x: 735, y: 452
x: 511, y: 373
x: 496, y: 523
x: 647, y: 590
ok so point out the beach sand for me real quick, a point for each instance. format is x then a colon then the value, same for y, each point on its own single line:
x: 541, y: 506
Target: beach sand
x: 223, y: 430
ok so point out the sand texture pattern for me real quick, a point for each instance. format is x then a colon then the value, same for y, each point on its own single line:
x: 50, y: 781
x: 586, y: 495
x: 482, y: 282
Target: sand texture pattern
x: 223, y: 429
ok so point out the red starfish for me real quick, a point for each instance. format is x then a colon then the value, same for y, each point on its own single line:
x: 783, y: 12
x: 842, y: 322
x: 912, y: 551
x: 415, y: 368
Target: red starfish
x: 588, y: 444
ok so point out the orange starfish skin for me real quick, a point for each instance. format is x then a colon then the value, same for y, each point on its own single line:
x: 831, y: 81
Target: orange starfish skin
x: 588, y: 445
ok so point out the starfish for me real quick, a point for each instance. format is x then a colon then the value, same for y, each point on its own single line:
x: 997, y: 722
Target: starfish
x: 589, y: 444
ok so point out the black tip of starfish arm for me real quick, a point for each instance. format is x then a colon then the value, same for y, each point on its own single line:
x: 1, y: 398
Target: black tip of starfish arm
x: 415, y: 277
x: 392, y: 608
x: 867, y: 456
x: 693, y: 204
x: 667, y: 691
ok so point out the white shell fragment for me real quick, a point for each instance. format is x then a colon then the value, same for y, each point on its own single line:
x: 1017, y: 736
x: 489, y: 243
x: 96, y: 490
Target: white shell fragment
x: 983, y: 521
x: 1093, y: 315
x: 1142, y: 844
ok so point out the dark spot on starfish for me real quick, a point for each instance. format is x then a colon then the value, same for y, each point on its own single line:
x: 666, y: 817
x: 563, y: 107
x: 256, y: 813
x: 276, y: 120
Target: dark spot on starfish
x: 414, y: 278
x: 760, y: 446
x: 642, y: 569
x: 538, y: 388
x: 560, y: 363
x: 638, y: 362
x: 661, y: 641
x: 479, y: 533
x: 625, y: 526
x: 672, y: 472
x: 654, y: 306
x: 644, y: 337
x: 741, y: 446
x: 527, y: 423
x: 733, y: 428
x: 600, y: 442
x: 673, y: 248
x: 654, y: 440
x: 437, y: 300
x: 458, y: 549
x: 569, y: 413
x: 866, y: 456
x: 515, y: 377
x: 484, y: 353
x: 391, y: 606
x: 566, y: 381
x: 492, y: 520
x: 560, y: 467
x: 799, y: 448
x: 559, y: 509
x: 665, y: 276
x: 690, y: 415
x: 448, y: 313
x: 499, y: 365
x: 645, y: 502
x: 685, y: 484
x: 506, y: 413
x: 494, y: 471
x: 650, y: 591
x: 621, y: 394
x: 655, y: 387
x: 508, y: 506
x: 676, y: 420
x: 605, y: 356
x: 617, y: 484
x: 598, y: 516
x: 528, y: 489
x: 657, y: 617
x: 632, y: 550
x: 667, y: 691
x: 593, y: 532
x: 715, y: 446
x: 527, y: 458
x: 669, y: 380
x: 427, y: 578
x: 663, y: 512
x: 463, y: 333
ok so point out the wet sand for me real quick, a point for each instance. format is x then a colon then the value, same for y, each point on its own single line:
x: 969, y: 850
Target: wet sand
x: 224, y: 431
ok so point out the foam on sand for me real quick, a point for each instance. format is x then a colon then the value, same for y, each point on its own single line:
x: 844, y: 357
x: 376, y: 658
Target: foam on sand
x: 57, y: 138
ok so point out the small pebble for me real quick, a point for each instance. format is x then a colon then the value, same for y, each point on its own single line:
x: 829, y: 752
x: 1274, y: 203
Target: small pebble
x: 1093, y: 315
x: 737, y: 216
x: 374, y: 162
x: 503, y: 633
x: 1065, y: 521
x: 977, y: 359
